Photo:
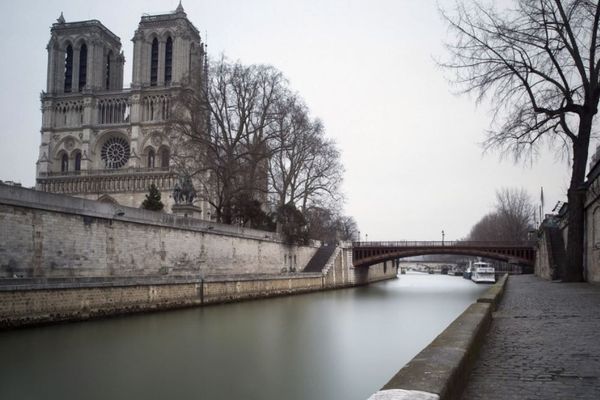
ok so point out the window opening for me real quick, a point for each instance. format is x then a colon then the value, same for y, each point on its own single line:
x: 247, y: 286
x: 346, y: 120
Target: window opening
x: 168, y: 61
x: 107, y: 83
x: 64, y: 163
x: 78, y: 162
x: 154, y: 63
x: 151, y: 157
x: 82, y: 66
x: 68, y: 69
x: 164, y: 158
x: 115, y: 152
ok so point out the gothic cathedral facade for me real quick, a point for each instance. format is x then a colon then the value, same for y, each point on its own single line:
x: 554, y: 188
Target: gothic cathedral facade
x: 101, y: 141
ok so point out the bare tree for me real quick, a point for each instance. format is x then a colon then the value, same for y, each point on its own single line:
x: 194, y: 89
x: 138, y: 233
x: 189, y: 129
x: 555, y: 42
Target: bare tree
x: 347, y: 228
x: 510, y: 221
x: 305, y: 167
x: 245, y: 138
x: 226, y: 129
x: 538, y: 64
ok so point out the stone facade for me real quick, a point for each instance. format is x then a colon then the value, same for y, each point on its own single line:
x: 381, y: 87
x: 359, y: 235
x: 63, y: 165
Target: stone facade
x: 103, y: 142
x: 592, y: 222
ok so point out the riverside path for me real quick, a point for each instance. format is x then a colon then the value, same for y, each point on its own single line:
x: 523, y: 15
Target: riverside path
x: 544, y: 343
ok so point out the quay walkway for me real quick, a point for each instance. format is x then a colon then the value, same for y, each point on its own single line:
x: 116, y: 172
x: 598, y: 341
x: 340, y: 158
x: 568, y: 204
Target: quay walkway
x: 544, y: 343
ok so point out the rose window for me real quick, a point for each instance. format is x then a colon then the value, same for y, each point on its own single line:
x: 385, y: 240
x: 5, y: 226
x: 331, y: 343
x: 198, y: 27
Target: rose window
x: 115, y: 152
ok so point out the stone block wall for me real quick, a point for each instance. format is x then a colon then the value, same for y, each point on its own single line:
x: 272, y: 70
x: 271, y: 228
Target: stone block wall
x: 375, y: 273
x: 76, y: 259
x: 225, y: 290
x: 341, y: 273
x: 51, y: 300
x: 542, y: 257
x: 76, y: 302
x: 49, y: 235
x: 592, y: 241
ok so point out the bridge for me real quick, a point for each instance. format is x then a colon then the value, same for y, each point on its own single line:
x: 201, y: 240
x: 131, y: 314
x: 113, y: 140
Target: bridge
x: 365, y: 254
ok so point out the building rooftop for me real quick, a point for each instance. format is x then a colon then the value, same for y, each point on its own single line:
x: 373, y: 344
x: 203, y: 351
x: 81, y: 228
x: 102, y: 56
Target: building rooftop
x: 61, y: 24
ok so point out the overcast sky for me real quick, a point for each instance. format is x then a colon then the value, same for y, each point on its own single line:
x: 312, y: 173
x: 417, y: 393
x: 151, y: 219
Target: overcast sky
x: 411, y: 149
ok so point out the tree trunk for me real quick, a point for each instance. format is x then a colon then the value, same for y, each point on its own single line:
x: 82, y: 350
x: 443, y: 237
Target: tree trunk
x: 576, y: 196
x: 574, y: 269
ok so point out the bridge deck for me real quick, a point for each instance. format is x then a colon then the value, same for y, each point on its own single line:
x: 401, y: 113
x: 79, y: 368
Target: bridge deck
x: 369, y: 253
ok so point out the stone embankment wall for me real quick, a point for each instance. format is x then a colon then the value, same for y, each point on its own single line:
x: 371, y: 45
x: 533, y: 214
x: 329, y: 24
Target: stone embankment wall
x: 49, y: 235
x: 65, y: 258
x: 41, y: 300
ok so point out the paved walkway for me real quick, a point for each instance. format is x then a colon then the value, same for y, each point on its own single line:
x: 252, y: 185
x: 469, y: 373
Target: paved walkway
x: 544, y: 343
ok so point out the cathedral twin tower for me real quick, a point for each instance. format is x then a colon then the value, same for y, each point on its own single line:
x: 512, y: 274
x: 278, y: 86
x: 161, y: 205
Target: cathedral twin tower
x: 99, y: 140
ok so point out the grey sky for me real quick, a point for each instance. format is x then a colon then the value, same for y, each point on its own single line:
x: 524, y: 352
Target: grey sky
x: 411, y: 149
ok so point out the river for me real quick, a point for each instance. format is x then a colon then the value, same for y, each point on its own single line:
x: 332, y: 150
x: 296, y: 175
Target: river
x: 342, y: 344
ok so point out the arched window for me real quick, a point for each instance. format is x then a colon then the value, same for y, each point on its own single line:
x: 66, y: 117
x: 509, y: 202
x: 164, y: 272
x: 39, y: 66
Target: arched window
x: 82, y: 66
x: 64, y: 163
x: 115, y: 153
x: 68, y: 69
x: 78, y: 161
x: 107, y: 83
x: 164, y: 158
x: 168, y: 60
x: 154, y: 63
x: 151, y: 158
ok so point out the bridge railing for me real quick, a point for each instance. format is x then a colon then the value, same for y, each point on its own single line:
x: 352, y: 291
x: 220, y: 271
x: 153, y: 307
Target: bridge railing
x: 458, y: 243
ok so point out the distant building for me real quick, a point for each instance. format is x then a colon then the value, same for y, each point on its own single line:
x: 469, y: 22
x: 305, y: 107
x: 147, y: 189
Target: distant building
x: 104, y: 142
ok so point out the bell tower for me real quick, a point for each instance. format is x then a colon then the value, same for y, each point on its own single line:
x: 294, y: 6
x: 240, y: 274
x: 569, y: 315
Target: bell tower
x: 102, y: 141
x: 166, y: 49
x: 83, y: 56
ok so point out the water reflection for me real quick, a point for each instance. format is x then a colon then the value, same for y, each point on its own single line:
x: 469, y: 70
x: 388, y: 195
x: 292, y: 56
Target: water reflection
x: 342, y: 344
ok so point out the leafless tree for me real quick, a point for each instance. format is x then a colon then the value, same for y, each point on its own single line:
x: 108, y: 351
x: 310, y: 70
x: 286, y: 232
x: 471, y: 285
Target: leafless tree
x: 538, y: 64
x: 246, y: 138
x: 305, y: 167
x: 226, y: 128
x: 347, y: 228
x: 510, y: 221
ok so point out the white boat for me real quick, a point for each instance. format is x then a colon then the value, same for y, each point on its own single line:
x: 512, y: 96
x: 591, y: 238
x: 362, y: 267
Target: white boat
x: 483, y: 272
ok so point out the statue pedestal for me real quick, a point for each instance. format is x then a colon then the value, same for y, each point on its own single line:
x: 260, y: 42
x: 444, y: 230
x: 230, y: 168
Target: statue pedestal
x: 187, y: 210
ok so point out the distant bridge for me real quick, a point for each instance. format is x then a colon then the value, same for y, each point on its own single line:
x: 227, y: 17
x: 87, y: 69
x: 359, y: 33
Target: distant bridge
x: 365, y: 254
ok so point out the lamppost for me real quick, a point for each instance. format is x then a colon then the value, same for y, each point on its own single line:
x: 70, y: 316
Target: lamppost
x: 366, y: 237
x: 443, y: 237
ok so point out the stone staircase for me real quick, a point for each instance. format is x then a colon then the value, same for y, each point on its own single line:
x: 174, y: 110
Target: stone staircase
x: 319, y: 260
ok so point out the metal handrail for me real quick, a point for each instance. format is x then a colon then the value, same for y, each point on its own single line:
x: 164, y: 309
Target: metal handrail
x: 457, y: 243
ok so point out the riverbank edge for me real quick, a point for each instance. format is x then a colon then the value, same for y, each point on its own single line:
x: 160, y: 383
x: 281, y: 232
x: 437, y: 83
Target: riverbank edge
x: 440, y: 370
x: 70, y: 300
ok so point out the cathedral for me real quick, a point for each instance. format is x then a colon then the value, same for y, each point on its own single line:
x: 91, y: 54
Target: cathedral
x: 102, y: 141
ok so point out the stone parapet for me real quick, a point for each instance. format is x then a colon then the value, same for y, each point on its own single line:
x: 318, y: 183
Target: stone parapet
x: 441, y: 370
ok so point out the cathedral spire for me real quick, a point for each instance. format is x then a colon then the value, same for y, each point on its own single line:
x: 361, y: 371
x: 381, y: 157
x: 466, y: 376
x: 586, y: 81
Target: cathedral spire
x: 179, y: 8
x: 61, y: 19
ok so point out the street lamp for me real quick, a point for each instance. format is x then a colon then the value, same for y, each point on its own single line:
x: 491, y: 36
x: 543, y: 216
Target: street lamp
x: 443, y: 237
